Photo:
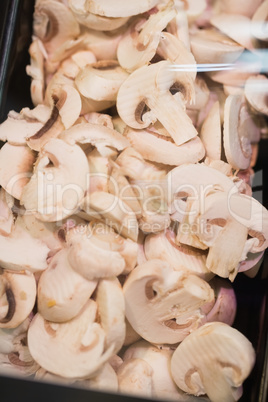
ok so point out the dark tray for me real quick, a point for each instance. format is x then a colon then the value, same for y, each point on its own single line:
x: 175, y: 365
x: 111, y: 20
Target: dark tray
x: 252, y: 312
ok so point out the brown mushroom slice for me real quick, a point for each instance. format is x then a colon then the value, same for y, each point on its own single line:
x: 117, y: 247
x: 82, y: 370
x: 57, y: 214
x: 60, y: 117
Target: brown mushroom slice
x: 163, y: 246
x: 17, y: 297
x: 94, y: 21
x: 237, y: 27
x: 146, y: 96
x: 210, y: 133
x: 62, y: 292
x: 236, y: 143
x: 111, y: 309
x: 120, y: 8
x: 164, y: 305
x: 15, y: 129
x: 16, y: 164
x: 6, y: 214
x: 138, y: 46
x: 95, y: 134
x: 159, y: 148
x: 36, y: 71
x: 101, y: 81
x: 113, y: 211
x: 94, y: 256
x: 259, y: 21
x: 211, y: 46
x: 54, y: 23
x: 256, y: 88
x: 214, y: 360
x: 55, y: 192
x: 80, y: 340
x: 224, y: 308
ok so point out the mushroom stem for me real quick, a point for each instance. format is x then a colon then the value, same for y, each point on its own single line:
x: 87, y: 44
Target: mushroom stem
x: 217, y: 387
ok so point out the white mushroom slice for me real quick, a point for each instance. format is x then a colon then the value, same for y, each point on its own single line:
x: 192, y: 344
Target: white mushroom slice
x: 152, y: 87
x: 83, y: 57
x: 196, y: 180
x: 236, y: 143
x: 131, y: 334
x: 100, y: 118
x: 80, y: 340
x: 178, y: 27
x: 259, y: 21
x: 202, y: 95
x: 237, y: 27
x: 90, y: 105
x: 36, y: 71
x: 101, y: 80
x: 54, y: 24
x: 210, y: 46
x: 9, y: 336
x: 17, y: 297
x: 68, y: 103
x: 16, y: 164
x: 55, y: 192
x: 94, y: 21
x: 62, y: 292
x: 256, y: 88
x: 163, y: 305
x: 40, y: 113
x: 163, y: 246
x: 93, y: 257
x: 119, y: 124
x: 158, y: 358
x: 210, y: 133
x: 6, y: 215
x: 135, y: 377
x: 224, y: 308
x: 251, y: 264
x: 138, y: 46
x: 15, y: 129
x: 120, y: 8
x: 15, y: 253
x: 113, y: 211
x: 100, y: 168
x: 95, y: 134
x: 242, y: 7
x: 214, y: 360
x: 111, y: 309
x: 239, y: 215
x: 159, y: 148
x: 103, y: 45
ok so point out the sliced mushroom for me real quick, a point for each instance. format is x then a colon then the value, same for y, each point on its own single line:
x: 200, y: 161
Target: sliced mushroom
x: 135, y: 377
x: 210, y: 133
x: 95, y: 251
x: 164, y: 305
x: 94, y: 21
x: 163, y: 246
x: 256, y: 92
x: 54, y: 24
x: 211, y: 46
x: 95, y: 134
x: 102, y: 44
x: 9, y: 336
x: 6, y: 214
x: 55, y: 192
x: 236, y: 26
x: 62, y: 292
x: 113, y: 211
x: 138, y: 46
x: 100, y: 168
x: 242, y: 7
x: 214, y: 360
x: 159, y: 148
x: 15, y: 129
x: 17, y: 297
x: 236, y: 144
x: 74, y: 349
x: 36, y: 71
x: 120, y: 8
x: 259, y: 21
x: 101, y: 80
x: 146, y: 96
x: 16, y: 164
x: 179, y: 25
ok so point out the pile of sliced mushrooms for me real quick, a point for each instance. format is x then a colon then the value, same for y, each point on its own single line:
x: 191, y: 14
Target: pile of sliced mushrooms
x: 126, y: 208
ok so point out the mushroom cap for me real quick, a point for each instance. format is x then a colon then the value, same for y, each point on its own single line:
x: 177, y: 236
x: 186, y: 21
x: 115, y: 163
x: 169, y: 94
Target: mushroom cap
x: 55, y: 192
x: 214, y: 360
x: 163, y: 305
x: 62, y: 292
x: 17, y: 297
